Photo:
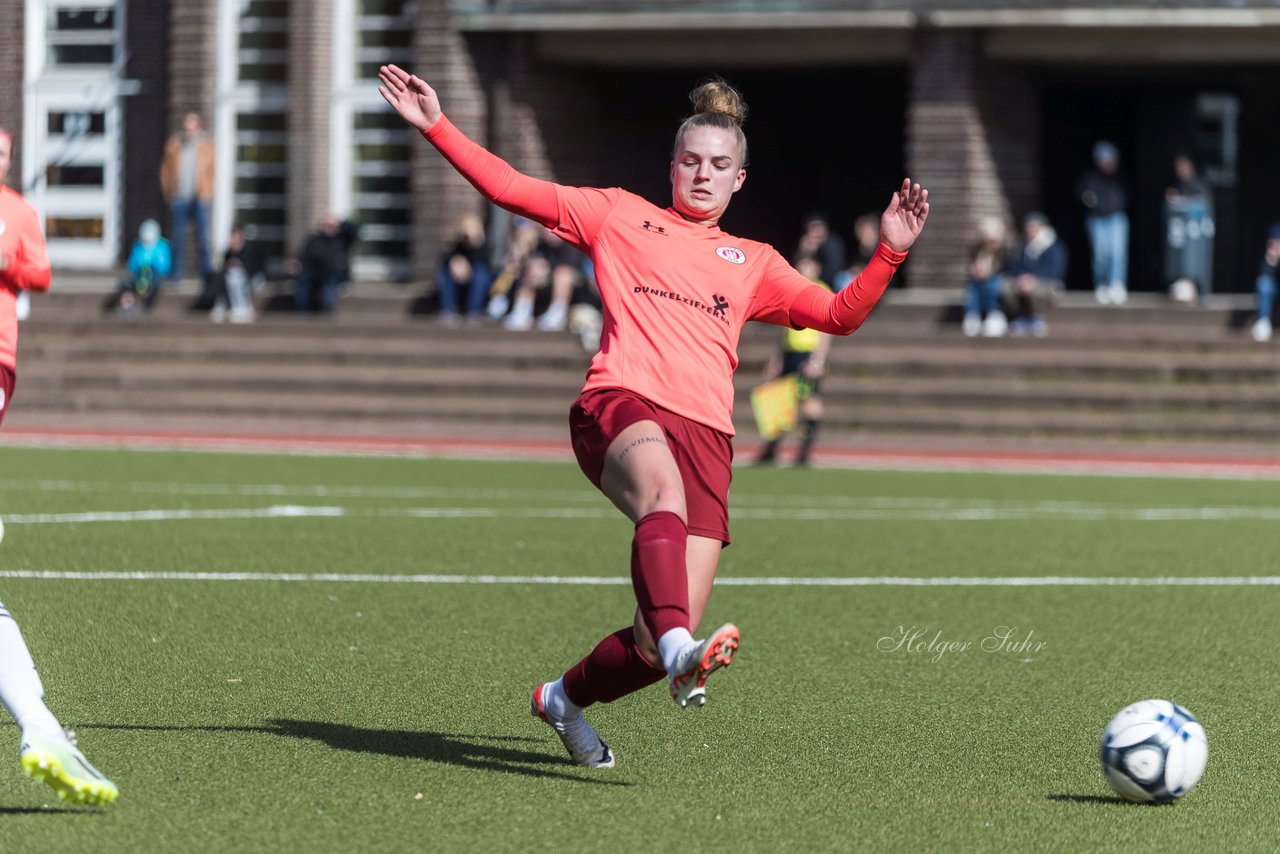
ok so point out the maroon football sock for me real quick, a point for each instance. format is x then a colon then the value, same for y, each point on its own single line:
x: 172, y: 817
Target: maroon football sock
x: 658, y: 572
x: 614, y: 669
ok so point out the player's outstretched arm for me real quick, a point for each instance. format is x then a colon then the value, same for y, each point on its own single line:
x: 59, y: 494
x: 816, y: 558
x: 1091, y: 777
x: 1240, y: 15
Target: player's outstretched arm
x: 418, y: 104
x: 410, y: 96
x: 904, y: 218
x: 842, y: 313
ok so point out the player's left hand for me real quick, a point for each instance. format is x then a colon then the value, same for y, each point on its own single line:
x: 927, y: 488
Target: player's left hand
x: 904, y: 218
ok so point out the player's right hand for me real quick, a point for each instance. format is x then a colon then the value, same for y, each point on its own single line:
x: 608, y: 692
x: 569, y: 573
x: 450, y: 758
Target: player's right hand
x: 410, y: 96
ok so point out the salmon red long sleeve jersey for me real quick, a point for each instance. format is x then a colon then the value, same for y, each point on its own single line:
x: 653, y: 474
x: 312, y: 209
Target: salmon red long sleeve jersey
x: 676, y: 294
x: 23, y: 243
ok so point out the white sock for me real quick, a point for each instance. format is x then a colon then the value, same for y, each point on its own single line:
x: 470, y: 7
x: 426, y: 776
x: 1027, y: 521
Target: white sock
x: 671, y: 644
x: 556, y: 703
x: 20, y: 688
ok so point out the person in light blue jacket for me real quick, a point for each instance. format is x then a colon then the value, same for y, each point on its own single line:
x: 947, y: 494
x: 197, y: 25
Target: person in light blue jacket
x: 150, y: 263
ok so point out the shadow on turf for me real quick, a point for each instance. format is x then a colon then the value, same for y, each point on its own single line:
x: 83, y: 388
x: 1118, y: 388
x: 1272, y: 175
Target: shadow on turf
x: 466, y: 751
x: 1087, y: 799
x: 48, y: 810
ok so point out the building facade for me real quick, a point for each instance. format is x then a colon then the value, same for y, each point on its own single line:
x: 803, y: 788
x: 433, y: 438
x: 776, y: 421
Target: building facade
x: 993, y: 105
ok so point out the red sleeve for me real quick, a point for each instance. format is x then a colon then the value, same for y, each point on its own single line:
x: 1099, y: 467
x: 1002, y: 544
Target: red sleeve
x: 574, y: 213
x: 842, y: 313
x: 496, y: 180
x: 29, y: 265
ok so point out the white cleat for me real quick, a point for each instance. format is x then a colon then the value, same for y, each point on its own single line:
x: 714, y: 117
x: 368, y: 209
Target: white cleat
x: 1261, y: 331
x: 585, y: 746
x: 695, y: 664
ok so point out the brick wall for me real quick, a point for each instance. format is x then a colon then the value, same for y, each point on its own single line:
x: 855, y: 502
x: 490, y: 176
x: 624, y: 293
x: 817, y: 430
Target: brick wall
x: 145, y: 116
x: 971, y: 139
x: 192, y: 73
x: 444, y: 59
x: 310, y: 87
x: 12, y: 12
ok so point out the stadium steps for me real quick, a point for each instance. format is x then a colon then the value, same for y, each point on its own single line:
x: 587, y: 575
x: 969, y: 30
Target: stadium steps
x: 1141, y: 372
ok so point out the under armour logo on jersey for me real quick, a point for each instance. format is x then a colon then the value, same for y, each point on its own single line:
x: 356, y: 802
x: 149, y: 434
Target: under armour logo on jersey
x: 656, y: 229
x: 732, y: 255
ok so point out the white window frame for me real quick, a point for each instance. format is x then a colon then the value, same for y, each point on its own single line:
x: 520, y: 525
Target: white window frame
x: 76, y: 88
x: 235, y: 96
x: 348, y: 97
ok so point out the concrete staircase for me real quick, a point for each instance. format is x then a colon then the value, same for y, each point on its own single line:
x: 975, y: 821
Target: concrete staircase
x: 1149, y: 372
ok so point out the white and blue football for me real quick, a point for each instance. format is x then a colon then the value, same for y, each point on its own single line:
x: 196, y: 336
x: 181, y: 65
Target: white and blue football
x: 1153, y: 751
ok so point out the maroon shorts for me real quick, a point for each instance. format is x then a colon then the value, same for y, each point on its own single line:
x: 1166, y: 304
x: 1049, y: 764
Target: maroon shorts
x: 704, y: 455
x: 7, y: 380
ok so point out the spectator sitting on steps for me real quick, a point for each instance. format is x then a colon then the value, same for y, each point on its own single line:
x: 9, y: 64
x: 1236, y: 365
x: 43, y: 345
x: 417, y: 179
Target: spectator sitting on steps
x: 987, y: 262
x: 242, y: 274
x: 323, y: 266
x: 1036, y: 276
x: 150, y: 263
x: 1266, y: 285
x: 465, y: 264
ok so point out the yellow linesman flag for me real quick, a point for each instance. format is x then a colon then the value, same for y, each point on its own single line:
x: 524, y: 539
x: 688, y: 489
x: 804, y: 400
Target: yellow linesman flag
x: 774, y: 405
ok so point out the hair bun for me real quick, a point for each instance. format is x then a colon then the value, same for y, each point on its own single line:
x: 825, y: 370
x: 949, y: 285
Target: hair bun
x: 716, y: 97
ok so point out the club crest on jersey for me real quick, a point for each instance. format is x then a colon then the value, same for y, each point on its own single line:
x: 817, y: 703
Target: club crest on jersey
x: 732, y: 254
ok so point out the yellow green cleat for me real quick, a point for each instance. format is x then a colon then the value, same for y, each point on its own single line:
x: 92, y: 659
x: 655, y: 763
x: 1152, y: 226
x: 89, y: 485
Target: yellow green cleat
x: 57, y: 762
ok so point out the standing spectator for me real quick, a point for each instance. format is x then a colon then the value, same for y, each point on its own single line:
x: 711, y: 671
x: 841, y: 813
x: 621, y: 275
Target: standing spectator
x: 242, y: 274
x: 987, y: 261
x: 1266, y: 285
x: 1037, y: 276
x: 465, y: 264
x: 866, y: 237
x: 150, y: 263
x: 1101, y: 191
x: 817, y: 241
x: 324, y: 265
x: 1189, y: 228
x: 186, y: 178
x: 47, y: 752
x: 804, y: 353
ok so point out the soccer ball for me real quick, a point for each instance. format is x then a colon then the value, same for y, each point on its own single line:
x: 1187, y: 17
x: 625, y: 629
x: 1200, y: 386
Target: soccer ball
x: 1153, y: 752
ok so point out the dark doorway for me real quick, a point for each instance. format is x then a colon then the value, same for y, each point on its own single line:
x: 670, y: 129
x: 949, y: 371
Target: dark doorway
x: 1150, y: 116
x: 820, y: 139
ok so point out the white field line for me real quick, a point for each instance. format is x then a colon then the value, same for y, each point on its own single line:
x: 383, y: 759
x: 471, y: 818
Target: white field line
x: 282, y: 490
x: 579, y: 581
x: 960, y: 462
x: 1061, y: 512
x: 741, y: 506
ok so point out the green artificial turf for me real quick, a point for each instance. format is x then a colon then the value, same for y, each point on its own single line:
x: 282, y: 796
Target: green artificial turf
x: 305, y: 715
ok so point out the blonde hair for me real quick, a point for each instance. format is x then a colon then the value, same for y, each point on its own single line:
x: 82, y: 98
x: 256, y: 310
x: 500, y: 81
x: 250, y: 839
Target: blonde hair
x: 716, y: 104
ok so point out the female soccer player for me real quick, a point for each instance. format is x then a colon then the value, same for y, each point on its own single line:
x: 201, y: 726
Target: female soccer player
x: 652, y: 428
x: 47, y: 751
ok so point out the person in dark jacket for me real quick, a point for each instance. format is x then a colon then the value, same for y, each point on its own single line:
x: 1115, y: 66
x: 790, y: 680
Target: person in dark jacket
x: 1101, y: 190
x: 1268, y: 271
x: 243, y: 272
x: 1036, y: 276
x: 324, y: 265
